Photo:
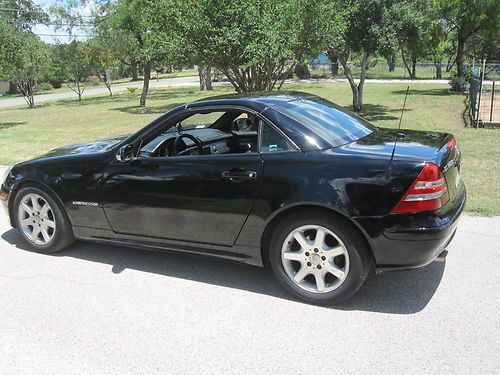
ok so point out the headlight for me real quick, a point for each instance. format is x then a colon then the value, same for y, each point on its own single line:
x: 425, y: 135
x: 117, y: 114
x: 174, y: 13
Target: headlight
x: 6, y: 173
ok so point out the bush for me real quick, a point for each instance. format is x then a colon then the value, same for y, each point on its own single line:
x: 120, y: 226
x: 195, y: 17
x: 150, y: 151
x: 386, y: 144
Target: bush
x: 132, y: 89
x: 302, y: 71
x: 44, y: 86
x: 458, y: 84
x: 56, y: 83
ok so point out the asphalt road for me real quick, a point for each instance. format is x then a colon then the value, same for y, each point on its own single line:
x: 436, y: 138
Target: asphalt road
x: 90, y: 91
x: 98, y: 309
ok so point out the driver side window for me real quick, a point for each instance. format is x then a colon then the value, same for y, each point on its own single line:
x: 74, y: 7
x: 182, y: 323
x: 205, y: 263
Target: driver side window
x: 206, y: 132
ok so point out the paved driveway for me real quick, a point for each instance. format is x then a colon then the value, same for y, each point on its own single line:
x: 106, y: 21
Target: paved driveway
x: 99, y: 309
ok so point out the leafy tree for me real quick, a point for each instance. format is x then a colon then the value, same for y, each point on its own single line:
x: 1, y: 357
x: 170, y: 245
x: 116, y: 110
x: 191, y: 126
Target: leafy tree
x: 361, y: 34
x: 22, y: 60
x: 440, y: 46
x: 23, y: 56
x: 255, y: 44
x: 103, y: 62
x: 469, y: 18
x: 123, y: 44
x: 22, y: 14
x: 134, y: 29
x: 410, y: 25
x: 75, y: 58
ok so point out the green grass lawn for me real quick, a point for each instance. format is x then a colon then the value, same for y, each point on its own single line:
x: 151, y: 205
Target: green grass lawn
x: 25, y: 133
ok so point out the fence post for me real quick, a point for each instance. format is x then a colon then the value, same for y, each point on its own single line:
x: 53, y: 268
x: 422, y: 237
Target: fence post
x: 492, y: 100
x: 480, y: 93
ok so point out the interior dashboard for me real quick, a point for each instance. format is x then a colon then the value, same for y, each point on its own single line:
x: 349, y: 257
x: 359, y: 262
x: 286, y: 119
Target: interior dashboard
x: 213, y: 142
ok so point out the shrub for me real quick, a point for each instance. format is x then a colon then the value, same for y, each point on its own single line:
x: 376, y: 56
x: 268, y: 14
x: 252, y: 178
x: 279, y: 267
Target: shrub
x: 302, y: 71
x: 56, y: 83
x: 44, y: 86
x: 132, y: 89
x: 458, y: 84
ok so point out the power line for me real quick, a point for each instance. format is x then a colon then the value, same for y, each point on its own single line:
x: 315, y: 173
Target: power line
x: 72, y: 35
x: 41, y: 11
x: 63, y: 24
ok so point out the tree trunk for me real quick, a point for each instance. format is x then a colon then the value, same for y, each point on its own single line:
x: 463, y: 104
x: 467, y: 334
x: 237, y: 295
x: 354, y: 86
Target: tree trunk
x: 201, y: 76
x: 108, y: 86
x: 31, y: 100
x: 334, y: 59
x: 334, y: 67
x: 439, y: 69
x: 460, y: 54
x: 357, y: 89
x: 145, y: 86
x: 135, y: 76
x: 204, y: 72
x: 413, y: 69
x: 27, y: 88
x: 79, y: 91
x: 391, y: 62
x: 405, y: 63
x: 359, y: 103
x: 208, y: 81
x: 450, y: 63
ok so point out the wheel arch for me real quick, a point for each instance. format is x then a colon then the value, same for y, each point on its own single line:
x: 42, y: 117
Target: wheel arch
x: 295, y: 209
x: 29, y: 182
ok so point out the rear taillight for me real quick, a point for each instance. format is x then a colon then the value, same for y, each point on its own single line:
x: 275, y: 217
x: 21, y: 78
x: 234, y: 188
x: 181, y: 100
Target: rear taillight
x: 428, y: 192
x: 452, y: 143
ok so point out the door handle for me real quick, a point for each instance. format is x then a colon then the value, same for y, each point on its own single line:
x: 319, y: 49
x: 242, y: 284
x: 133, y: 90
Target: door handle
x: 239, y: 175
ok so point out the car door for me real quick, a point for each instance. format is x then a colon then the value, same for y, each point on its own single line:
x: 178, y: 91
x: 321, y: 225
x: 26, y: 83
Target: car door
x: 199, y: 199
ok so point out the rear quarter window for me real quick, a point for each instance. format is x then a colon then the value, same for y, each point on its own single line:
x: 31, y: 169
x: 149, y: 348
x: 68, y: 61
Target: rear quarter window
x: 332, y: 123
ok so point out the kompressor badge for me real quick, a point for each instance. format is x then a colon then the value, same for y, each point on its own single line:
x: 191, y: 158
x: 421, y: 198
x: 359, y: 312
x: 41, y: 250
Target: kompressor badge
x: 88, y: 204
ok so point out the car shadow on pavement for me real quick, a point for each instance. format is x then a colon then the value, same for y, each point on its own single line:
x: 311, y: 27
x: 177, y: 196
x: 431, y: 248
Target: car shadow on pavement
x: 405, y: 292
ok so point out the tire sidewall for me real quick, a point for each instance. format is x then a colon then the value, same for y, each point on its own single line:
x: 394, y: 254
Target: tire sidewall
x: 356, y: 249
x: 59, y: 217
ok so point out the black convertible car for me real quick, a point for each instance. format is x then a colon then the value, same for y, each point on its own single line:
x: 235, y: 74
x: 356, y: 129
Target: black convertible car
x: 287, y: 180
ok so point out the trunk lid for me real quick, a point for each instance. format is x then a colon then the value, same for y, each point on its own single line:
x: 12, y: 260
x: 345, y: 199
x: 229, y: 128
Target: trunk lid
x: 413, y: 145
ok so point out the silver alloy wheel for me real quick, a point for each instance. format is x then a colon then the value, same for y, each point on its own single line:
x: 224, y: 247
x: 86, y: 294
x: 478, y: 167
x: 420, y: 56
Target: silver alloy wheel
x: 36, y: 219
x: 315, y: 258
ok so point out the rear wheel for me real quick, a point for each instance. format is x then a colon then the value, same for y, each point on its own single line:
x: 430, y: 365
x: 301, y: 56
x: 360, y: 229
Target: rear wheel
x: 319, y: 258
x: 42, y: 221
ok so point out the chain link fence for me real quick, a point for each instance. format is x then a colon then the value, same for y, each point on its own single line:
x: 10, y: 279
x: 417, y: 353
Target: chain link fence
x: 484, y: 94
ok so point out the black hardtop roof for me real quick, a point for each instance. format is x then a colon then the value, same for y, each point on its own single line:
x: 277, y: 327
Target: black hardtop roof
x: 257, y: 101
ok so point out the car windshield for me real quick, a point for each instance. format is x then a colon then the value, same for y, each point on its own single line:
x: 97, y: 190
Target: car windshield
x: 334, y: 124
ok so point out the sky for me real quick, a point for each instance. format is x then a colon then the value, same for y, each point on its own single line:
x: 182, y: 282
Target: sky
x: 62, y: 35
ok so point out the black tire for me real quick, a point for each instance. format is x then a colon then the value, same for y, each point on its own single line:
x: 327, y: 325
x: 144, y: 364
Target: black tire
x: 360, y: 259
x: 63, y: 233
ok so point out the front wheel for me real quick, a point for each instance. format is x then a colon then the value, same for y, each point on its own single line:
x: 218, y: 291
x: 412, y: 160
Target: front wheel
x: 319, y: 258
x: 42, y: 221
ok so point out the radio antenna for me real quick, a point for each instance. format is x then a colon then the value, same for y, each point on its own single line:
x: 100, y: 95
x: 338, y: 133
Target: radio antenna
x: 403, y: 109
x: 399, y: 136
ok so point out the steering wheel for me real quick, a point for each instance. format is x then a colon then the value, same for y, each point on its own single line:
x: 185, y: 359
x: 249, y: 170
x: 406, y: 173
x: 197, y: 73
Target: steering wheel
x: 198, y: 143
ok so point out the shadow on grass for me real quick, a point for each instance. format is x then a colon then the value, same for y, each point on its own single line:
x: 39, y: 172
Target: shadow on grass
x: 10, y: 124
x: 377, y: 112
x: 432, y: 92
x: 393, y: 293
x: 137, y: 110
x: 182, y: 94
x: 93, y: 100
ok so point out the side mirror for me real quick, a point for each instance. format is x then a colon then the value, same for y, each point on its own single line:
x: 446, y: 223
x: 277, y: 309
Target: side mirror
x: 125, y: 154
